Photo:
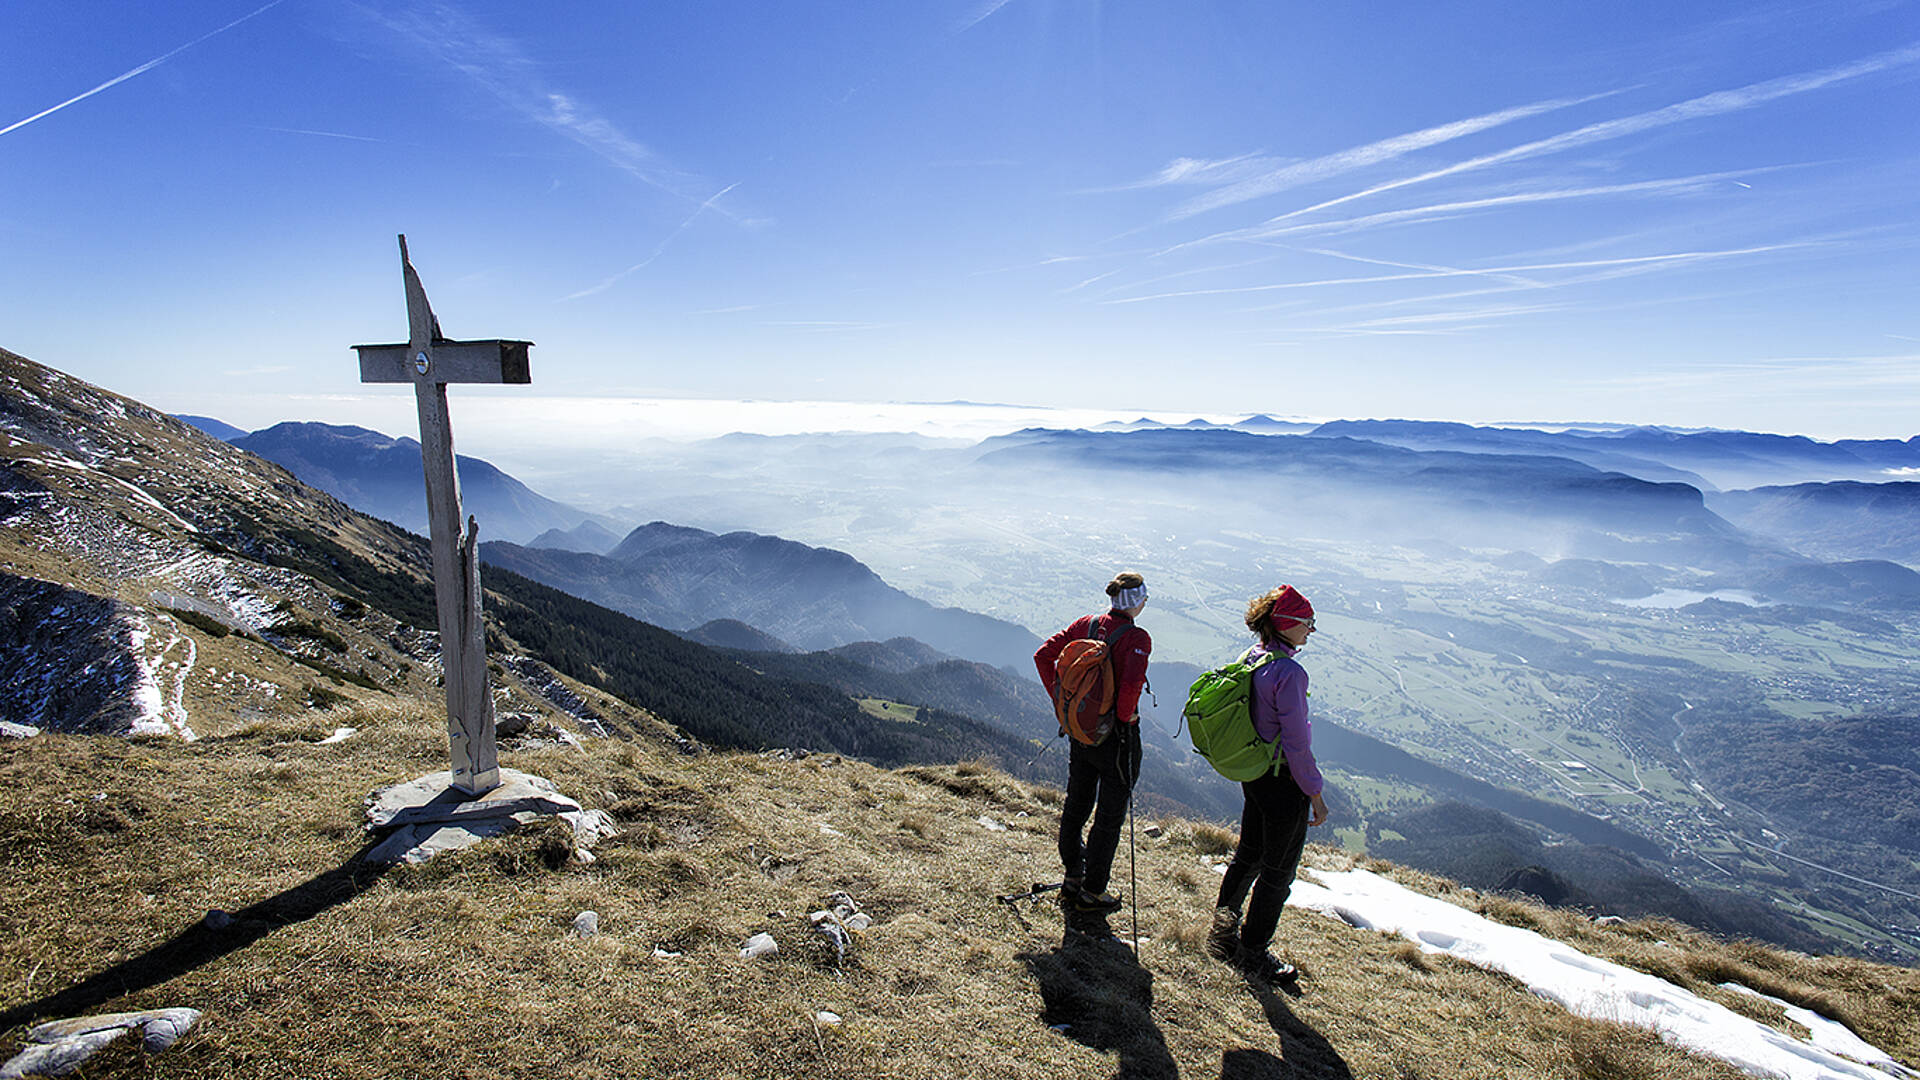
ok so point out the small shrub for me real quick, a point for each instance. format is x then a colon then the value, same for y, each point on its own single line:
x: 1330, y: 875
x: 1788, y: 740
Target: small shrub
x: 312, y: 631
x: 206, y: 624
x: 319, y: 697
x: 1213, y: 839
x: 1411, y: 955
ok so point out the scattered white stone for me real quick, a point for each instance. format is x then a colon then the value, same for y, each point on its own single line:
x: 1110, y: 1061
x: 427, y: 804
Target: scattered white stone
x: 859, y: 921
x: 339, y: 735
x: 828, y: 830
x: 660, y: 953
x: 1153, y: 832
x: 11, y: 730
x: 757, y: 946
x: 991, y: 825
x: 586, y: 924
x: 831, y: 1019
x: 1609, y: 920
x: 837, y: 936
x: 61, y: 1046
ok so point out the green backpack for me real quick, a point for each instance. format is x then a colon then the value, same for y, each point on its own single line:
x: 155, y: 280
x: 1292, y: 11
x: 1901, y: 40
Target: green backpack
x: 1219, y: 719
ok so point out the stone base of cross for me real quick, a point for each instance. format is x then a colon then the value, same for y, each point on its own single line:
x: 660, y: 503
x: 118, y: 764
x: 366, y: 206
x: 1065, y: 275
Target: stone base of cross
x: 430, y: 361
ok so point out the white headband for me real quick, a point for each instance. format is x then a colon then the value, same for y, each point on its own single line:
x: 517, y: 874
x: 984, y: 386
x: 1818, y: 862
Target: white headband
x: 1127, y: 598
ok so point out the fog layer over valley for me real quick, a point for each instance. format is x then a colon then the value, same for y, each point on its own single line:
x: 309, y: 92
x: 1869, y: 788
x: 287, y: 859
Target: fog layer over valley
x: 1528, y: 621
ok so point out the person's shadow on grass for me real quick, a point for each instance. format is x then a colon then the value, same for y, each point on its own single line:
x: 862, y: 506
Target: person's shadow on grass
x: 1307, y: 1053
x: 201, y: 943
x: 1094, y: 991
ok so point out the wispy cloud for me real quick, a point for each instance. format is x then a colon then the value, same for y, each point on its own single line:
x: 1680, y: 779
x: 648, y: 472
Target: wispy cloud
x: 1442, y: 211
x: 1201, y: 172
x: 980, y: 14
x: 1358, y: 157
x: 1714, y: 104
x: 326, y: 134
x: 1772, y: 377
x: 504, y: 70
x: 1398, y: 265
x: 142, y: 69
x: 827, y: 326
x: 1606, y: 265
x: 658, y: 250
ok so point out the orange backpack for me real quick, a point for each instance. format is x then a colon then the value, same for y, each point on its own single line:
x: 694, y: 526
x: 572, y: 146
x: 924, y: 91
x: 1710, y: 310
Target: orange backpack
x: 1084, y: 685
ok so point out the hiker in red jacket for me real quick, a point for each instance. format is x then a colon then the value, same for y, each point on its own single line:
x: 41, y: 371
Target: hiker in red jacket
x: 1100, y: 778
x: 1281, y: 804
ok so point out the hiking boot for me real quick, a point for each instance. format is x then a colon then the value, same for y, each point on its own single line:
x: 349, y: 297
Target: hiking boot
x: 1264, y: 967
x: 1223, y: 939
x: 1096, y: 902
x: 1070, y: 892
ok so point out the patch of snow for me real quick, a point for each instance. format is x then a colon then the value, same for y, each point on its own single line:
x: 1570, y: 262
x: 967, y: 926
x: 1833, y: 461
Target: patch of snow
x: 1584, y: 985
x: 154, y: 714
x: 1830, y: 1035
x: 339, y: 735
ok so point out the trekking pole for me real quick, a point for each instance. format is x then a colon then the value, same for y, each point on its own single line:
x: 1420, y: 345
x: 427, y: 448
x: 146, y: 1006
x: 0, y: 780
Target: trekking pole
x: 1044, y: 747
x: 1133, y: 872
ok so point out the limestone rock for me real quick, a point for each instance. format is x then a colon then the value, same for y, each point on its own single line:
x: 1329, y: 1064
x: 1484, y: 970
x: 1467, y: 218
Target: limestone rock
x: 58, y: 1047
x: 429, y: 816
x: 586, y: 924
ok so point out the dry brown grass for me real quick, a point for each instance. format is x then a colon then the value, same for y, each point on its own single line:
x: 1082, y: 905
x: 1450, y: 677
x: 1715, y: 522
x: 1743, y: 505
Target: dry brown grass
x: 113, y: 850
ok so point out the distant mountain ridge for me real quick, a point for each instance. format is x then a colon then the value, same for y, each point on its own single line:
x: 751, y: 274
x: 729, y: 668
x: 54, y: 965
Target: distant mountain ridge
x: 1839, y: 520
x: 1359, y: 486
x: 380, y: 475
x: 813, y: 598
x: 1725, y: 459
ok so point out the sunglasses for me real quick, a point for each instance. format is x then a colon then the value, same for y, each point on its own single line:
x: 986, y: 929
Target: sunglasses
x: 1306, y: 622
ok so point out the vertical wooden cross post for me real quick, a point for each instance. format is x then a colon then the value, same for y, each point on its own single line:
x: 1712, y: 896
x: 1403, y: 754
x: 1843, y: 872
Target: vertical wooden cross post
x: 430, y: 361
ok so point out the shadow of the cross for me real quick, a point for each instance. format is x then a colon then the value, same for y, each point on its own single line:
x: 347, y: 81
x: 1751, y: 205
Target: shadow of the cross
x: 200, y: 943
x: 1094, y: 991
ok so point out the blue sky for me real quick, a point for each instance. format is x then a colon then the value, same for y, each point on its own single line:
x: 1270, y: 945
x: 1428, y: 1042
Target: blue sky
x: 1694, y: 214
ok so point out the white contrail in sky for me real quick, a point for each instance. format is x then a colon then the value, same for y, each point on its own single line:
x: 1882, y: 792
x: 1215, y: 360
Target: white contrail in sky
x: 657, y: 251
x: 1491, y: 271
x: 1675, y: 185
x: 141, y: 70
x: 982, y: 15
x: 1357, y: 157
x: 1714, y: 104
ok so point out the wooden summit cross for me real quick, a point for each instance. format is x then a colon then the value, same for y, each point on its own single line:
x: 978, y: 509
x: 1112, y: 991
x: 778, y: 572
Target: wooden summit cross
x: 430, y: 361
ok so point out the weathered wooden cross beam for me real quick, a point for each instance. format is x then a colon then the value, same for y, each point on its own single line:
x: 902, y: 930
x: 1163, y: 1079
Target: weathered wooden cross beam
x: 430, y: 361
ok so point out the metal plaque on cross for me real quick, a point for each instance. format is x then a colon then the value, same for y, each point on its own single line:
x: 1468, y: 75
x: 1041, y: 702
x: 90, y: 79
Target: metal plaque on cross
x: 430, y: 361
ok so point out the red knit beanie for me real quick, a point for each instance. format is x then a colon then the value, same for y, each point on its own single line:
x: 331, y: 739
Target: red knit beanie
x: 1289, y: 608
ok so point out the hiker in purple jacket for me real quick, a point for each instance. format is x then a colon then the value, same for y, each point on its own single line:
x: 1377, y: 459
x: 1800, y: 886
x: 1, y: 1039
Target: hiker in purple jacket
x: 1281, y: 804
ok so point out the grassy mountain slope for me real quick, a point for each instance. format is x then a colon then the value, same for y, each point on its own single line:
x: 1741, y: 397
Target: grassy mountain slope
x: 115, y: 849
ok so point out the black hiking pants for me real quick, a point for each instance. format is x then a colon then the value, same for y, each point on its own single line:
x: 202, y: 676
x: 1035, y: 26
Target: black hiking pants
x: 1273, y: 833
x: 1099, y: 779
